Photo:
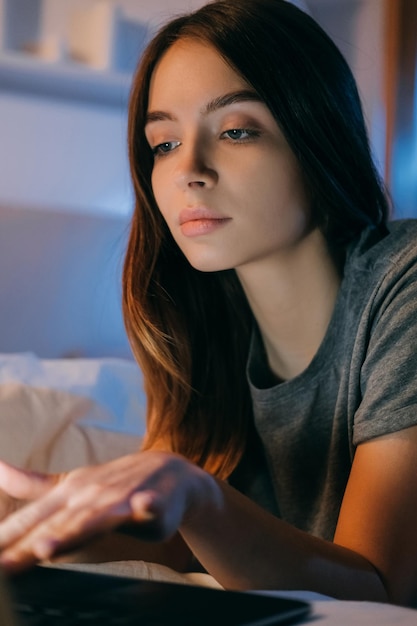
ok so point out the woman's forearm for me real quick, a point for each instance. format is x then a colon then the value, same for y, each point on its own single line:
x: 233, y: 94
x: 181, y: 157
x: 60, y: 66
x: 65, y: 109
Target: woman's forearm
x: 244, y: 547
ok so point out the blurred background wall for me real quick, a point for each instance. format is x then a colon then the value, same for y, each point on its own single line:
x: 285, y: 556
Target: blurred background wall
x: 65, y: 194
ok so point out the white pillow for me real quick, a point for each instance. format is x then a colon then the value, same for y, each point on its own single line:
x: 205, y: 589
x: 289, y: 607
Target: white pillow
x: 63, y: 413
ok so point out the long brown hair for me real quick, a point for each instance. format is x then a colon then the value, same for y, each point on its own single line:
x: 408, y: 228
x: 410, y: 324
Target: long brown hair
x: 190, y: 330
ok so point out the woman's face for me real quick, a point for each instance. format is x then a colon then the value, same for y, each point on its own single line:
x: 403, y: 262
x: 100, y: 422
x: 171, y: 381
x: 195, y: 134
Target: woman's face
x: 224, y: 177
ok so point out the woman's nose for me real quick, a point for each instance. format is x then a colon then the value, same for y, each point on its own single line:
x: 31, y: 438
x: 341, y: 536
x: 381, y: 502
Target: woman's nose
x: 194, y: 167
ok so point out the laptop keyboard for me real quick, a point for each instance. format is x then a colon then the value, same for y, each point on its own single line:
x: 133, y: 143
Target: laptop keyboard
x: 31, y: 615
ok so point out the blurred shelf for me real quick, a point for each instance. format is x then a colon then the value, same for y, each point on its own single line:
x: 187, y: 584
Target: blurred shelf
x: 22, y: 73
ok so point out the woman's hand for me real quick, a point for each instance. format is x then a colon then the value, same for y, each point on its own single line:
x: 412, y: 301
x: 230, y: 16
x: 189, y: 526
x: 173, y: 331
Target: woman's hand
x: 156, y: 490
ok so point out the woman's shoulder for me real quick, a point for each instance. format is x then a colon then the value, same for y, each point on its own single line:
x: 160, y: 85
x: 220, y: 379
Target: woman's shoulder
x: 378, y: 252
x: 402, y: 235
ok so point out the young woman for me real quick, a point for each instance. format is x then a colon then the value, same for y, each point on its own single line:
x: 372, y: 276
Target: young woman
x: 274, y: 316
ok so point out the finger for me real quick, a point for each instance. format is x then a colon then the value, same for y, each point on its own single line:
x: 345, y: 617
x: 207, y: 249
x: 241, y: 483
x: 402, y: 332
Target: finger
x: 63, y: 503
x: 63, y: 531
x: 159, y: 515
x: 23, y: 484
x: 25, y: 519
x: 86, y: 515
x: 13, y: 565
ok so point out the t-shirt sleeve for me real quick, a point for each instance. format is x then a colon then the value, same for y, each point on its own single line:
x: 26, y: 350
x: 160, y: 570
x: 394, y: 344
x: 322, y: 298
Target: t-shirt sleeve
x: 389, y: 371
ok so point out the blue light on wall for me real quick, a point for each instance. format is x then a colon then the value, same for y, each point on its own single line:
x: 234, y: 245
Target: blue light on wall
x: 404, y: 170
x: 404, y: 148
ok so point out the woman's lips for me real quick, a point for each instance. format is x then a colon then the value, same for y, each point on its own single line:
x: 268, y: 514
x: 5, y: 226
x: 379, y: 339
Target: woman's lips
x: 204, y: 226
x: 200, y: 221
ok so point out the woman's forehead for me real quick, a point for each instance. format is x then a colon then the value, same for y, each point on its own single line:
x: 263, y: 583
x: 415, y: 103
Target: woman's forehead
x: 189, y: 67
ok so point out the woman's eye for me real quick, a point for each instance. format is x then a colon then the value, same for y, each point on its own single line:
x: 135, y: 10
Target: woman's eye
x: 240, y: 134
x: 165, y: 147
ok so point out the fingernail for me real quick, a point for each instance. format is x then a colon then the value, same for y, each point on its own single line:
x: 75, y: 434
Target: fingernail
x: 140, y: 503
x: 44, y: 548
x: 147, y: 516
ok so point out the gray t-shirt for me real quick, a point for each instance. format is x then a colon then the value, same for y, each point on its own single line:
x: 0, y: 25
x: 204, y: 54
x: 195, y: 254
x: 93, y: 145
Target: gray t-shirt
x: 362, y: 383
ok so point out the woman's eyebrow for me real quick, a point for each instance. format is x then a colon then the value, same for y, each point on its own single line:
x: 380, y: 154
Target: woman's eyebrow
x: 227, y: 99
x: 212, y: 106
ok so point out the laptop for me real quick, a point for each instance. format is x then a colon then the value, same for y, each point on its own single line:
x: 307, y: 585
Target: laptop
x: 46, y: 596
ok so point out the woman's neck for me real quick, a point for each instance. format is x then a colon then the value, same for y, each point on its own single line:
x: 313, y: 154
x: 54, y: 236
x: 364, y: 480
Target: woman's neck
x: 292, y: 297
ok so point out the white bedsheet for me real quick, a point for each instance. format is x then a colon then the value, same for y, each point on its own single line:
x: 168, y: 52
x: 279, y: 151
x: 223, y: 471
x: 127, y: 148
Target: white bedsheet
x: 331, y: 612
